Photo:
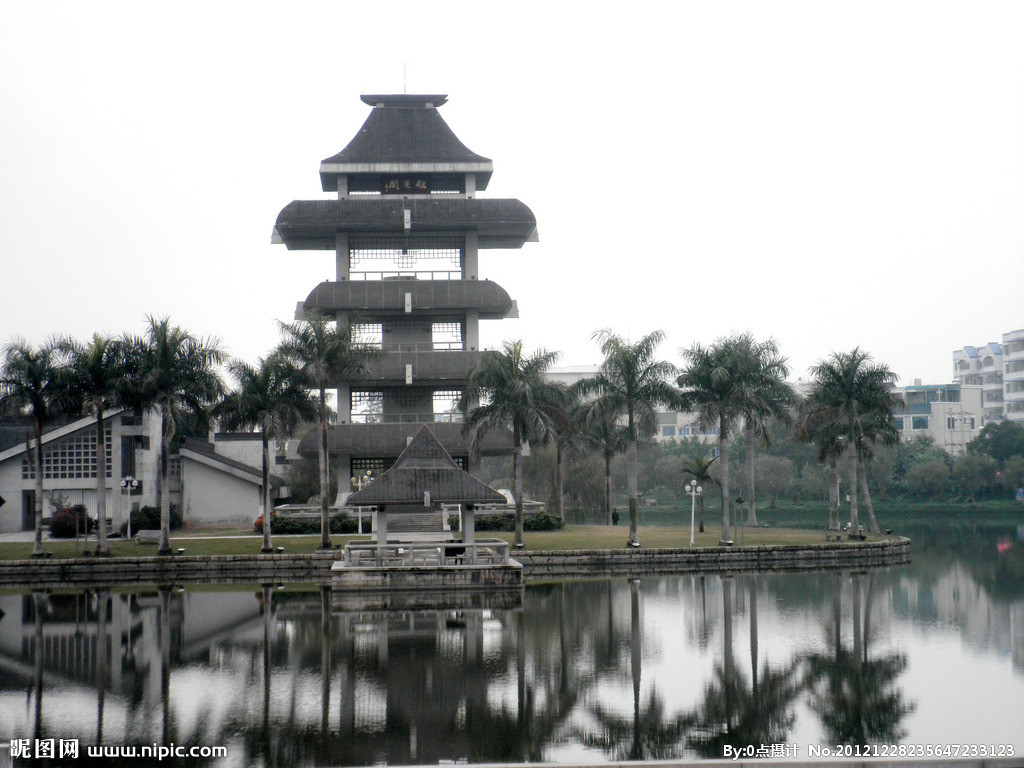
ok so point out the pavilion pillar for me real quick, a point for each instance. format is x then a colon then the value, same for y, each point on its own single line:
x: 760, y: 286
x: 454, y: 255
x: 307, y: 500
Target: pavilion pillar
x: 469, y: 525
x: 381, y: 532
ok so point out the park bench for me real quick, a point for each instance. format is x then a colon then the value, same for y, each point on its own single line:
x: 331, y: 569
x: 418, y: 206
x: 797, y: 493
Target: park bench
x: 147, y: 537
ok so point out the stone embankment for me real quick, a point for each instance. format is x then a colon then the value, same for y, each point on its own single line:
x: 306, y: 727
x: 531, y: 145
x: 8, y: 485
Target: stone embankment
x: 282, y: 568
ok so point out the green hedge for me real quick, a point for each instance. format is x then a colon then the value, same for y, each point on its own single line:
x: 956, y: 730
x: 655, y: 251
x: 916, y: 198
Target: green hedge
x: 507, y: 522
x: 148, y: 519
x: 70, y: 522
x: 339, y: 523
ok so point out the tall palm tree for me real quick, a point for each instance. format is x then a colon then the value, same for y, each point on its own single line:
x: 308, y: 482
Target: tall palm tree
x: 270, y: 397
x: 602, y: 432
x: 877, y: 431
x: 631, y: 383
x: 31, y: 388
x: 767, y: 396
x: 851, y: 395
x: 513, y: 394
x: 700, y: 470
x: 173, y: 372
x: 327, y: 356
x: 717, y: 384
x: 96, y: 377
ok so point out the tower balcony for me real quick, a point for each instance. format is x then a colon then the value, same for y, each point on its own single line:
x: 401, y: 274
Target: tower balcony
x: 379, y: 298
x: 374, y: 440
x: 429, y: 366
x: 314, y: 224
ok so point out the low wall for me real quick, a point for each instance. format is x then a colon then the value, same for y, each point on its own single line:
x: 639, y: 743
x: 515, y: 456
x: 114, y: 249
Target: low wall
x: 90, y: 571
x: 638, y: 562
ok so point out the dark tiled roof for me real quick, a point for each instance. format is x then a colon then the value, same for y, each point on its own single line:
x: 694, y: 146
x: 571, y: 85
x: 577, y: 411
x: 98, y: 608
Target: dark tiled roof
x: 13, y: 433
x: 424, y: 466
x: 207, y: 450
x: 405, y: 133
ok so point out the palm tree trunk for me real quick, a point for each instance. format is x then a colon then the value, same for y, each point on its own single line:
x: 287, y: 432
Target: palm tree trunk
x: 560, y: 481
x: 723, y: 455
x: 325, y: 484
x: 751, y: 506
x: 517, y: 481
x: 833, y: 494
x: 752, y: 589
x: 854, y: 464
x: 868, y: 504
x: 633, y: 465
x: 608, y: 488
x: 267, y: 545
x: 37, y: 547
x: 102, y: 547
x: 165, y: 495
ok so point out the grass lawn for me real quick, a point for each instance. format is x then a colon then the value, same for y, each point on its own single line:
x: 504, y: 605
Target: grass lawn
x: 572, y: 537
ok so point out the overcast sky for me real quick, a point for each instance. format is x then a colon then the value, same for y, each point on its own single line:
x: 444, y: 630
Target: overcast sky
x: 830, y: 174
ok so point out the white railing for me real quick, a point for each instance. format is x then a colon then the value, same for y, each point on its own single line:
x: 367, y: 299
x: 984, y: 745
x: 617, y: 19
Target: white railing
x: 427, y: 553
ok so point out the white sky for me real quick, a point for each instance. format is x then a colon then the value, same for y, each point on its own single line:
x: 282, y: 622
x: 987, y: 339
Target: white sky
x: 830, y: 174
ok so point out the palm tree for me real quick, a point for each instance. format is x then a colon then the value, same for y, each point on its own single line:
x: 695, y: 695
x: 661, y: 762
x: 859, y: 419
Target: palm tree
x: 766, y: 397
x: 718, y: 385
x: 850, y: 396
x: 270, y: 397
x: 96, y: 378
x: 603, y: 433
x: 30, y: 388
x: 514, y: 395
x: 173, y: 372
x: 700, y: 470
x: 877, y: 431
x: 326, y: 355
x: 631, y: 383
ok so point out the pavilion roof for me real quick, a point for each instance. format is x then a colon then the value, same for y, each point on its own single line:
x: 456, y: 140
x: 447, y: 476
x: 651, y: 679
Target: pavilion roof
x: 424, y: 466
x: 404, y: 130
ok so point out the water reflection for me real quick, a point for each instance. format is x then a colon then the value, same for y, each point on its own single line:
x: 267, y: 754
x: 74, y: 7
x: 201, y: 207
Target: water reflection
x: 661, y: 668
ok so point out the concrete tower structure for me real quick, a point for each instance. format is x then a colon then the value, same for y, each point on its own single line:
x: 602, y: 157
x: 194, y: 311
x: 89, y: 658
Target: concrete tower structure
x: 406, y: 229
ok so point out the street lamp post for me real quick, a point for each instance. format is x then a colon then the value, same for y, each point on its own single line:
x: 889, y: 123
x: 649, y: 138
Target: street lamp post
x: 358, y: 483
x: 128, y: 485
x: 694, y: 491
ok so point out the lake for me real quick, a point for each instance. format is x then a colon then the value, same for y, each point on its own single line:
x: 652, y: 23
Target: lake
x: 931, y: 654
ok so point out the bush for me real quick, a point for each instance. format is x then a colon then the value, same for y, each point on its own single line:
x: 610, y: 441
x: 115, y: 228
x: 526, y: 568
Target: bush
x: 148, y: 519
x: 543, y: 522
x: 339, y: 523
x: 71, y: 521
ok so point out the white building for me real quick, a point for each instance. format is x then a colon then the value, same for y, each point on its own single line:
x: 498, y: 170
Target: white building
x: 951, y: 414
x: 1013, y: 375
x: 999, y: 369
x: 214, y: 483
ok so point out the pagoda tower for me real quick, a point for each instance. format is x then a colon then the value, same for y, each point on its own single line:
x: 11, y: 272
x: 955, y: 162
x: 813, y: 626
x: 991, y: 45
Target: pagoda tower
x: 406, y: 229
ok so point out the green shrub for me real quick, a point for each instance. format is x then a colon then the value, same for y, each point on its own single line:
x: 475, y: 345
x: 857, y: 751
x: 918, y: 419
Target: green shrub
x: 71, y: 521
x: 542, y: 522
x: 339, y: 523
x: 148, y: 519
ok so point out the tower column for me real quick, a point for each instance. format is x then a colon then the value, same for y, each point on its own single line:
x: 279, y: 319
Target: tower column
x: 342, y: 266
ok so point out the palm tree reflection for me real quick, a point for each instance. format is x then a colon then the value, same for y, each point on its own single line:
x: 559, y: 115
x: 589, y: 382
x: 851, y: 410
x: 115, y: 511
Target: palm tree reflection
x: 734, y: 710
x: 855, y: 694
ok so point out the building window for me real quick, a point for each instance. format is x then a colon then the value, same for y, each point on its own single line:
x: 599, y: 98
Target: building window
x: 367, y: 406
x: 919, y: 422
x: 72, y: 458
x: 687, y: 431
x: 368, y: 334
x: 445, y: 405
x: 374, y: 258
x: 446, y: 335
x: 668, y: 431
x: 951, y: 422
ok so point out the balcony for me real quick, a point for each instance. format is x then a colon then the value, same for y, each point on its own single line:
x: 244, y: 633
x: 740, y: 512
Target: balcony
x: 428, y: 365
x: 386, y: 297
x: 382, y: 440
